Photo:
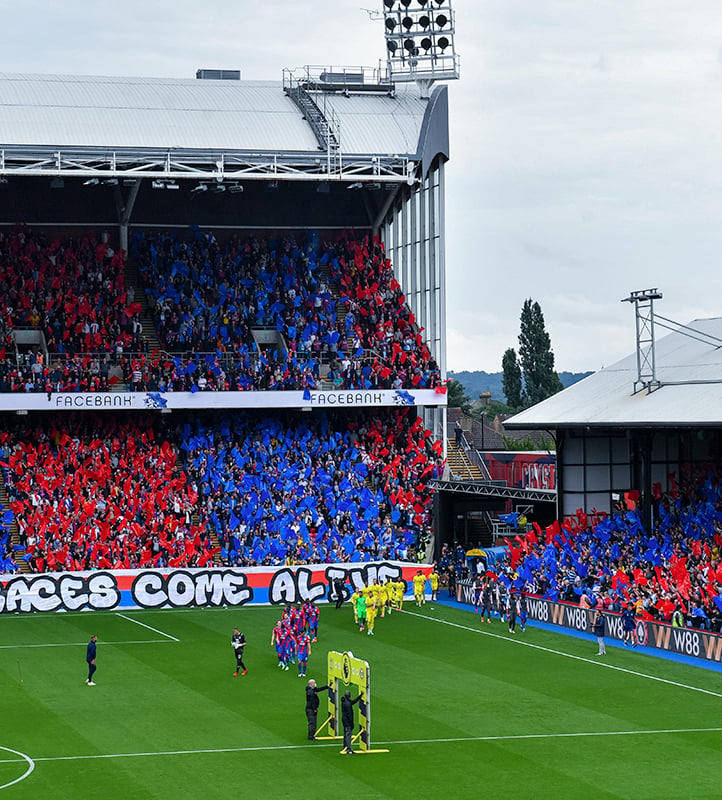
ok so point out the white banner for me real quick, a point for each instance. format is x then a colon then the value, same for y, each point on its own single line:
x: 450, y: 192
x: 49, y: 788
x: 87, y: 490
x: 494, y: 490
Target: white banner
x: 158, y: 401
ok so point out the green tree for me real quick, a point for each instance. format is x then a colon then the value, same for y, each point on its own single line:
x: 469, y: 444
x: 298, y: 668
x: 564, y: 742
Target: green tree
x: 456, y: 395
x: 536, y: 356
x: 511, y: 379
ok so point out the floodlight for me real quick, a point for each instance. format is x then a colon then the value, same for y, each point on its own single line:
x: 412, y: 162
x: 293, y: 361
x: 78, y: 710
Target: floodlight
x: 422, y: 2
x: 426, y: 44
x: 202, y: 187
x: 408, y: 23
x: 390, y: 24
x: 442, y: 43
x: 389, y: 4
x: 441, y: 20
x: 91, y: 182
x: 391, y: 46
x: 218, y: 189
x: 235, y: 188
x: 410, y: 46
x: 424, y: 22
x: 405, y: 3
x: 110, y: 182
x: 172, y: 185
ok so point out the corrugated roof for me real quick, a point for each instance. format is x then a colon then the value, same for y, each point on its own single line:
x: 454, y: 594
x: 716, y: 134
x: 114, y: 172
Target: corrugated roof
x: 690, y: 374
x: 113, y: 112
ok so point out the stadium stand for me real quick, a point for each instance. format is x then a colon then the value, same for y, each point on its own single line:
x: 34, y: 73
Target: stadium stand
x: 331, y: 489
x: 95, y: 493
x: 613, y: 560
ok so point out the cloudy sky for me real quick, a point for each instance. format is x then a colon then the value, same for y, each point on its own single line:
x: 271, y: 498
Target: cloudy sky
x: 586, y: 157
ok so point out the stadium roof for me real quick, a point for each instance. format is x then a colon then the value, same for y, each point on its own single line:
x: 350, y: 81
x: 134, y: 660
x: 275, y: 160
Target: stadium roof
x: 689, y: 373
x: 80, y: 117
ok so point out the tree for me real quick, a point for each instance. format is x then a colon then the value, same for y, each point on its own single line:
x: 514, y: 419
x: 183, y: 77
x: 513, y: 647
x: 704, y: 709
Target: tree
x: 536, y: 356
x: 456, y: 396
x: 511, y: 379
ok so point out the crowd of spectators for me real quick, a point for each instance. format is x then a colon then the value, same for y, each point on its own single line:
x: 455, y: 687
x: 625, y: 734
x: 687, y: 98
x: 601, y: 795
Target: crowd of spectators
x: 340, y: 307
x: 328, y: 489
x: 673, y: 573
x: 91, y: 492
x: 338, y: 311
x: 97, y: 493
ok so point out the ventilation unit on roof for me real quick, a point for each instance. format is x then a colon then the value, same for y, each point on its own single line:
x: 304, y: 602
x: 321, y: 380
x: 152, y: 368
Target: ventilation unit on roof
x: 218, y: 74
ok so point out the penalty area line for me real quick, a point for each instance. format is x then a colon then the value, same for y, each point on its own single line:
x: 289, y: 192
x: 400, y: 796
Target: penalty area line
x: 155, y: 630
x: 450, y: 740
x: 566, y: 655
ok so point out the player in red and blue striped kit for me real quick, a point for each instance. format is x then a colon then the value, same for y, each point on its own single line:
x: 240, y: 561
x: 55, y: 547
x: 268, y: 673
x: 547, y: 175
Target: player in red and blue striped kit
x: 303, y: 651
x: 312, y: 614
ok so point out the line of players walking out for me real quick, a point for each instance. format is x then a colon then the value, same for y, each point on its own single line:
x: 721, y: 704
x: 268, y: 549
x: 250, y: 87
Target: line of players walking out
x: 378, y: 599
x: 293, y: 634
x: 495, y: 599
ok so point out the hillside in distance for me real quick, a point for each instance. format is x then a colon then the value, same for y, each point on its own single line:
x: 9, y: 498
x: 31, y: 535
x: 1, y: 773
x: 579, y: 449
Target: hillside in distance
x: 475, y: 383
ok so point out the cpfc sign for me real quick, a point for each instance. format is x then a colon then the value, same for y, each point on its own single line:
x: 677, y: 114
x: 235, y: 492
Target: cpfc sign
x: 192, y: 588
x: 683, y: 641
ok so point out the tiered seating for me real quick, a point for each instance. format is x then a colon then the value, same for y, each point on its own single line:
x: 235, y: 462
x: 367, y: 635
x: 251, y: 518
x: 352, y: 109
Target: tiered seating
x: 96, y: 493
x: 208, y: 298
x: 328, y: 489
x: 614, y: 560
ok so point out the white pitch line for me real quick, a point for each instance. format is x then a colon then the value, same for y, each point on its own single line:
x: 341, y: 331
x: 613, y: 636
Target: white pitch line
x: 78, y: 644
x: 450, y: 740
x: 155, y: 630
x: 566, y: 655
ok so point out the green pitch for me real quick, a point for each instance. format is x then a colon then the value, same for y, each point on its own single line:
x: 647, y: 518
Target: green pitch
x: 464, y: 711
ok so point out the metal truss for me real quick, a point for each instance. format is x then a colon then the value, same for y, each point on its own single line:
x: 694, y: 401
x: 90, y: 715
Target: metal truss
x: 97, y: 162
x: 494, y: 489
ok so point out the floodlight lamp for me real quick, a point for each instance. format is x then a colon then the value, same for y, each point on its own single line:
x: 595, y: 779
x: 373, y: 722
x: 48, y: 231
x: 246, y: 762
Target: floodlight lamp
x: 389, y: 4
x: 158, y: 185
x: 202, y: 187
x: 391, y: 46
x: 424, y: 22
x: 3, y: 181
x: 441, y: 20
x: 110, y: 182
x: 405, y: 3
x: 426, y: 44
x: 408, y: 23
x: 422, y: 3
x: 442, y: 43
x: 219, y: 189
x: 355, y: 185
x: 410, y: 46
x: 390, y: 24
x: 235, y: 188
x: 91, y: 182
x: 172, y: 185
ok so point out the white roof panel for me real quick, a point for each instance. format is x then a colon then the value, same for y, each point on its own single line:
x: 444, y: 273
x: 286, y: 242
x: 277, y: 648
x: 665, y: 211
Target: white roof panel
x: 690, y: 374
x: 110, y: 112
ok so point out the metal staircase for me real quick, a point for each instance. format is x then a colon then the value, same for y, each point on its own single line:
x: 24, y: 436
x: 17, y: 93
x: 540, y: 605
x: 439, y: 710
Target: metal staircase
x: 324, y: 126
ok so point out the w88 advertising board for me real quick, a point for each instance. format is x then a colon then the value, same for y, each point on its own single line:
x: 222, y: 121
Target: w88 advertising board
x: 683, y: 641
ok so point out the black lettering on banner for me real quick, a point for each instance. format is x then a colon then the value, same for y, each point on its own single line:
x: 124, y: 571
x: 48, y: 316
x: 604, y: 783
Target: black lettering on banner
x: 180, y: 589
x: 99, y: 591
x: 235, y: 588
x: 103, y: 591
x: 73, y: 592
x: 282, y: 590
x: 306, y: 589
x: 148, y: 590
x: 46, y: 593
